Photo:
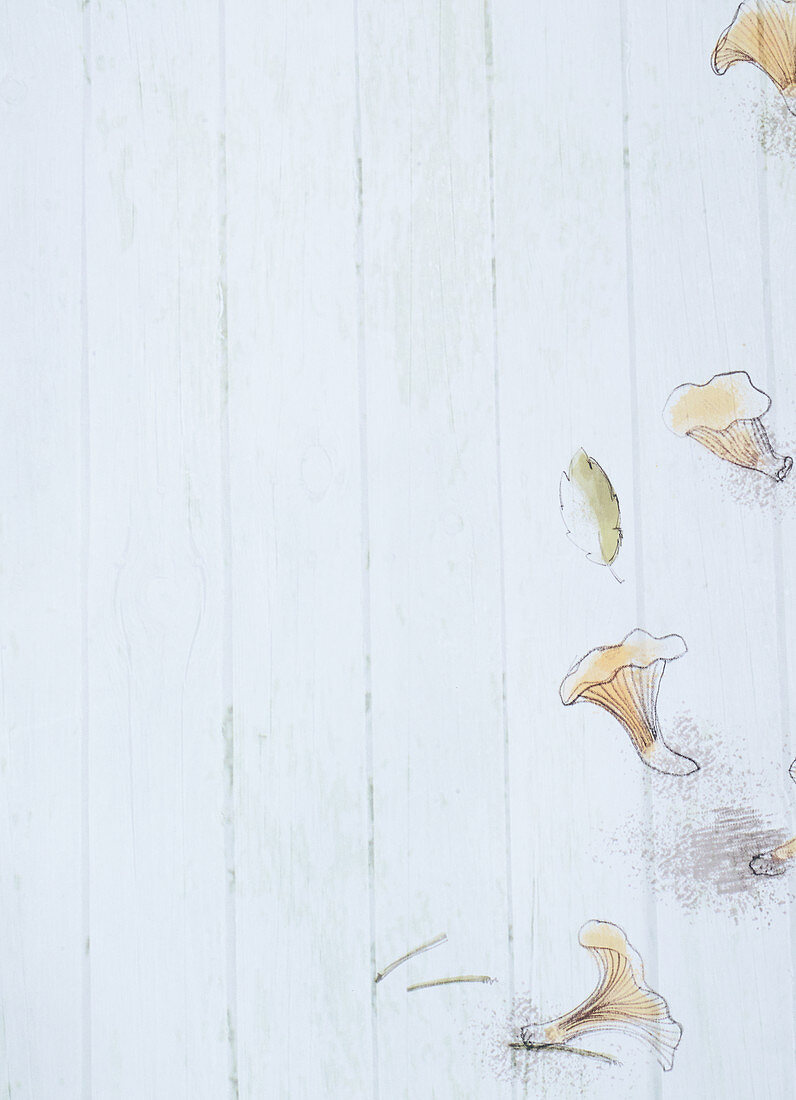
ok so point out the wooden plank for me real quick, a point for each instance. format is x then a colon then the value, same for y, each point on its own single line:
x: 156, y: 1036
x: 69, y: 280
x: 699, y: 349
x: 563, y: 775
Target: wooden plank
x: 157, y: 906
x: 776, y: 191
x: 306, y: 309
x: 564, y: 356
x: 301, y: 782
x: 435, y: 564
x: 41, y: 1019
x: 708, y: 545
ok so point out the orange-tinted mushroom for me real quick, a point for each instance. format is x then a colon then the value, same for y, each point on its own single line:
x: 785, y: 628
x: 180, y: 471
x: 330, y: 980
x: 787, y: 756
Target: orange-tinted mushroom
x: 625, y: 679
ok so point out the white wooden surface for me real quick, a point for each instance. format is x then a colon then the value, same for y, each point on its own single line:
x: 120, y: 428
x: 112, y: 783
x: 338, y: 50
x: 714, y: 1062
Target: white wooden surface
x: 305, y: 308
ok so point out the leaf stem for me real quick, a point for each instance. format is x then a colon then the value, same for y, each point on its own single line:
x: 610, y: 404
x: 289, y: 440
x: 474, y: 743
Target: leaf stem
x: 484, y: 979
x: 441, y: 938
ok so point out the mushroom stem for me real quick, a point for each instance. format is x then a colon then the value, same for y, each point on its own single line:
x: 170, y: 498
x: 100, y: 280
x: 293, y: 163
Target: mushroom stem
x: 786, y: 850
x: 663, y: 759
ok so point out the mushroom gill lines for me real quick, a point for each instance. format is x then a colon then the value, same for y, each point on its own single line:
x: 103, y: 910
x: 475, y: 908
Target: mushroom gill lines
x: 764, y: 35
x: 638, y: 712
x: 620, y: 1004
x: 743, y: 443
x: 621, y: 1000
x: 624, y: 680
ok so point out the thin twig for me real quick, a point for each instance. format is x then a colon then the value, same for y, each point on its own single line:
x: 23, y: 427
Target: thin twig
x: 441, y: 938
x: 566, y: 1049
x: 484, y: 979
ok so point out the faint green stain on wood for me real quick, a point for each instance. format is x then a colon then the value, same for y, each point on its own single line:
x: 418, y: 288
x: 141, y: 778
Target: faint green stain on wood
x: 227, y: 731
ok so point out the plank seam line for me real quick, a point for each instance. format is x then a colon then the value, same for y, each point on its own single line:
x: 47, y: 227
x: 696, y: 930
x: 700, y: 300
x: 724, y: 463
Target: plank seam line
x: 85, y: 533
x: 777, y: 541
x: 632, y: 353
x: 359, y: 259
x: 228, y: 729
x: 504, y: 715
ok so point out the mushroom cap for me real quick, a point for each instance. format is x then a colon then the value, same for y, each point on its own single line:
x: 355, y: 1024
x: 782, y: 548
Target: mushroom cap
x: 762, y: 32
x: 602, y: 935
x: 715, y: 404
x: 638, y: 650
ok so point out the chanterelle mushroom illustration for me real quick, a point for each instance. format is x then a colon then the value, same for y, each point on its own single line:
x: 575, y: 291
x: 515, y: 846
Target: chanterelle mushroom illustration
x: 775, y: 861
x: 621, y: 1001
x: 763, y: 32
x: 624, y: 679
x: 723, y: 415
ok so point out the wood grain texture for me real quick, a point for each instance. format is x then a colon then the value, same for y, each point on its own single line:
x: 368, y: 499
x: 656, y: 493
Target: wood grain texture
x: 305, y: 310
x: 155, y: 586
x: 701, y: 310
x: 305, y: 963
x: 435, y: 540
x: 776, y: 163
x: 566, y: 366
x: 40, y: 557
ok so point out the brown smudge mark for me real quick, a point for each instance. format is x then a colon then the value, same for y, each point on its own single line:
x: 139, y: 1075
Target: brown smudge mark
x: 776, y: 131
x: 715, y: 856
x: 696, y: 850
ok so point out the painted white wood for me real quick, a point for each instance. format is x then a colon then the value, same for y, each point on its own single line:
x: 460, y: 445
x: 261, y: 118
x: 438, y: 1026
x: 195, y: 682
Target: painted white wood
x: 155, y: 586
x: 565, y: 369
x: 306, y: 308
x: 709, y: 557
x: 435, y: 540
x: 303, y: 941
x: 776, y: 192
x: 40, y: 556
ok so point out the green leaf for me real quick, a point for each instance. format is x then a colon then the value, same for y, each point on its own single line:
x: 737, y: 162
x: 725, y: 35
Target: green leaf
x: 590, y: 509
